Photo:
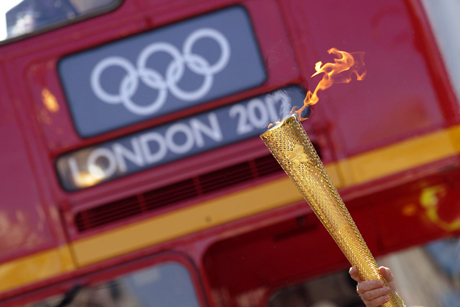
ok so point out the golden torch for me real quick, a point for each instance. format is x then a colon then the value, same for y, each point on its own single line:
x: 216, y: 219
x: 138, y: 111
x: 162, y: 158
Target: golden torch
x: 290, y: 145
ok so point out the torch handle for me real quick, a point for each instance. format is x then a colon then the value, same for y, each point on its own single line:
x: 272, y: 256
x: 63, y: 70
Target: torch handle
x: 293, y: 150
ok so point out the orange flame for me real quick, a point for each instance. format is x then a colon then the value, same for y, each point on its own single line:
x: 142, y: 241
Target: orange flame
x: 345, y: 66
x: 341, y: 71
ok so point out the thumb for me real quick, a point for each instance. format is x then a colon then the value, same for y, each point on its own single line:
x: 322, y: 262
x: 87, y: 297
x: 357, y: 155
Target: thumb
x: 354, y: 274
x: 386, y: 273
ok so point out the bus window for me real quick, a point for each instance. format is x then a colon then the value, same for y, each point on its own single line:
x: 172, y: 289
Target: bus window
x: 425, y: 276
x: 26, y: 16
x: 334, y: 290
x: 164, y: 285
x: 443, y: 16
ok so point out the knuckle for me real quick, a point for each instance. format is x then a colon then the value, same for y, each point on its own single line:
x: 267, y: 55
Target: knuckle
x: 379, y: 301
x: 361, y: 288
x: 368, y: 285
x: 381, y: 291
x: 366, y: 296
x: 375, y: 294
x: 374, y: 304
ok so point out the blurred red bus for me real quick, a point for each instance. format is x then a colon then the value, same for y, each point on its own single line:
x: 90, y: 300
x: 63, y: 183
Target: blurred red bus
x: 132, y: 171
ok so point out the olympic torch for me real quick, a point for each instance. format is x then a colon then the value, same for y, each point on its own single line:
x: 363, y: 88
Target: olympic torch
x: 290, y: 145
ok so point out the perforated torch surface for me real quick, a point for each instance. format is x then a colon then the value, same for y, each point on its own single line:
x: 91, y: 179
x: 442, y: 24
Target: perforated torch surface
x: 293, y: 150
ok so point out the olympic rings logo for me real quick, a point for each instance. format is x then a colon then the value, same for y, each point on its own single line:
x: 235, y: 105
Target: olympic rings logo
x: 153, y: 79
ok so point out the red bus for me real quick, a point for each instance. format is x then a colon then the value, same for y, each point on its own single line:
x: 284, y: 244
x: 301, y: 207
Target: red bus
x: 133, y: 174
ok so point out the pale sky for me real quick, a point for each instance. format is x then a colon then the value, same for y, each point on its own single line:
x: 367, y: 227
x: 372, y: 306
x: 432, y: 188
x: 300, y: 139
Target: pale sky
x: 5, y: 6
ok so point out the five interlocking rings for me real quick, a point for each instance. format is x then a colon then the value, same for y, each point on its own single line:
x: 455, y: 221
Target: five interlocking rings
x: 153, y: 79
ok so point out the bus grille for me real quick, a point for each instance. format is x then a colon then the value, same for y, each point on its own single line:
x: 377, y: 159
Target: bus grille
x: 184, y: 190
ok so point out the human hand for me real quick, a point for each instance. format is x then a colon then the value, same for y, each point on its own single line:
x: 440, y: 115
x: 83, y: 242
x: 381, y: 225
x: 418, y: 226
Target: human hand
x: 373, y: 292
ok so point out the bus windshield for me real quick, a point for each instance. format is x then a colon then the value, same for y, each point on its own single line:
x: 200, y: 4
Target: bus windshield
x: 164, y: 285
x: 18, y: 17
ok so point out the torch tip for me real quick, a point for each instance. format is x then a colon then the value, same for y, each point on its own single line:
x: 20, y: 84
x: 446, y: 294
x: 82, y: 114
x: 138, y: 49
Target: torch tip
x: 293, y: 116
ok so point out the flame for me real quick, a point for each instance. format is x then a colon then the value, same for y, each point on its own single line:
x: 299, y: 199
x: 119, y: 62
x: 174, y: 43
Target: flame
x: 341, y: 71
